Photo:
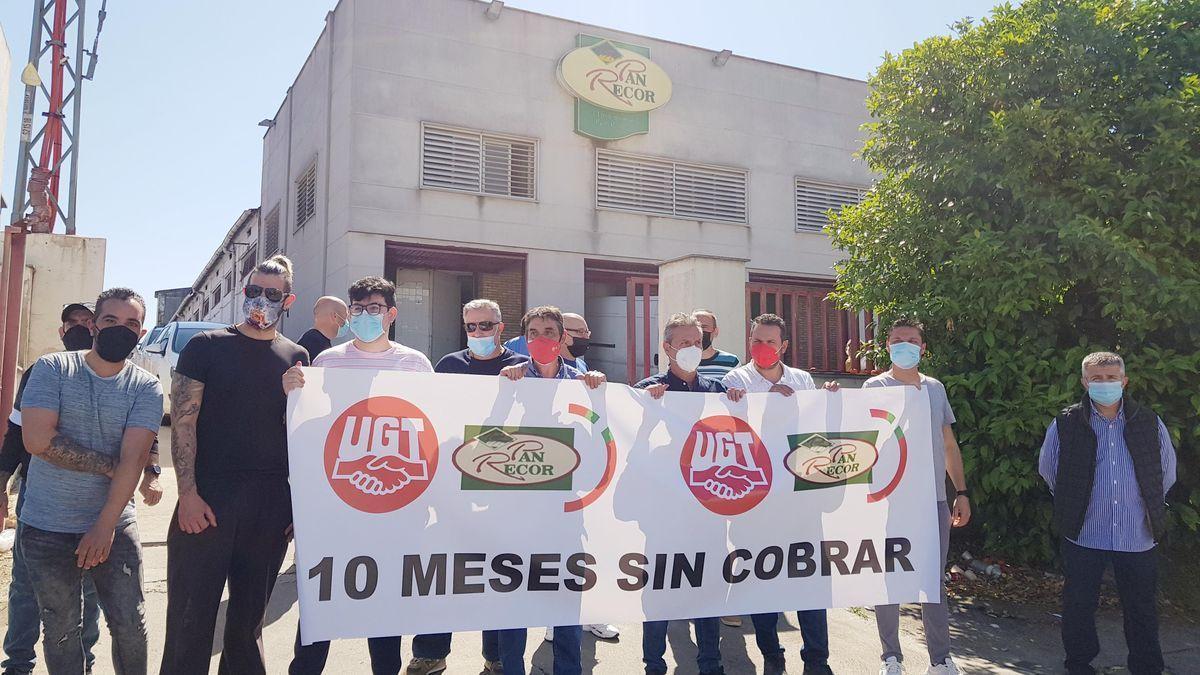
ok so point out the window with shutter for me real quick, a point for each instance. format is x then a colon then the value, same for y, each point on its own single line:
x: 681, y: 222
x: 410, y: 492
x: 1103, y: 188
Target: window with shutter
x: 656, y: 186
x: 271, y: 232
x: 249, y: 260
x: 229, y: 284
x: 478, y: 163
x: 814, y: 200
x: 306, y: 195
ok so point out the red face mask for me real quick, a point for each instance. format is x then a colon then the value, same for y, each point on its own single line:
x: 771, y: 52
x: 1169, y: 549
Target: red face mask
x: 543, y: 350
x: 764, y: 355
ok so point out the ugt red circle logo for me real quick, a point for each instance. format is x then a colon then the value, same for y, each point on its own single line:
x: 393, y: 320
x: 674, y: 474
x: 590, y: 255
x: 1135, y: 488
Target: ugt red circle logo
x: 726, y: 465
x: 381, y: 454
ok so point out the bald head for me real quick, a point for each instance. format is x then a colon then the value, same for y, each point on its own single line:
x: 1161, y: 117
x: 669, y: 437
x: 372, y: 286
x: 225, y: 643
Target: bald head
x: 329, y: 313
x: 574, y: 326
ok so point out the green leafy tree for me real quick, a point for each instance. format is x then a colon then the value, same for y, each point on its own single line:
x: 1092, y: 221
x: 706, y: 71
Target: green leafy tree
x: 1038, y: 198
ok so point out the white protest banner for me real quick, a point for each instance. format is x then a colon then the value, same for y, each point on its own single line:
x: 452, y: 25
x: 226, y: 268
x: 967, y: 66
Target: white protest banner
x: 433, y: 503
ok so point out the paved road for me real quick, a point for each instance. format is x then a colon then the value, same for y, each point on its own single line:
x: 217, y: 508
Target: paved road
x: 985, y: 641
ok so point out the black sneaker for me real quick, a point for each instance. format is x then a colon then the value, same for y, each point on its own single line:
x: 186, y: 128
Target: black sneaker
x: 774, y: 664
x: 813, y: 669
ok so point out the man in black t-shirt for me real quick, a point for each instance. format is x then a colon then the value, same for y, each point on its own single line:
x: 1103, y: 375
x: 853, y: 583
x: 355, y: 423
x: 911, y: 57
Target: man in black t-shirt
x: 484, y: 355
x: 229, y: 445
x: 330, y: 321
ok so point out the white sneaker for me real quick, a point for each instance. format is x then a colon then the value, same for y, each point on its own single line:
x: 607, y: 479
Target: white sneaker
x: 891, y: 667
x: 604, y: 631
x: 947, y: 667
x: 549, y: 637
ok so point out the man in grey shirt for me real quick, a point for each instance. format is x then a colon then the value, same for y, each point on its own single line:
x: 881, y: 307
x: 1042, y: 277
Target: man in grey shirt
x: 89, y: 419
x: 906, y: 345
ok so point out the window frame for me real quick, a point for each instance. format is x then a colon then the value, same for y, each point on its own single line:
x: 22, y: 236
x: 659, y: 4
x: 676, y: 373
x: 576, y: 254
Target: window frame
x: 674, y: 163
x: 483, y: 137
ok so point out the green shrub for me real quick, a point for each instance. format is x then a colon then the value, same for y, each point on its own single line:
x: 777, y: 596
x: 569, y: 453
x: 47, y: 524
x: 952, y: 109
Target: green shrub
x: 1038, y: 198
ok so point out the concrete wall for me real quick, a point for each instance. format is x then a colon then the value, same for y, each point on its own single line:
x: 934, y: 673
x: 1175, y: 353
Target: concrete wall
x: 715, y: 284
x: 382, y: 67
x: 59, y: 269
x: 443, y: 61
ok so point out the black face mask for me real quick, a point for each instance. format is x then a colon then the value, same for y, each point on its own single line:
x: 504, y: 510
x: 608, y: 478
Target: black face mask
x: 579, y: 346
x: 706, y: 340
x: 76, y: 338
x: 115, y: 343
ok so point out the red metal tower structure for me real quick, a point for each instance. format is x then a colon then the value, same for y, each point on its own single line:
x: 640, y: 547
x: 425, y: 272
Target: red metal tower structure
x: 43, y: 156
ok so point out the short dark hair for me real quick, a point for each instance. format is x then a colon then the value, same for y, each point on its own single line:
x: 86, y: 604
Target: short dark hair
x: 771, y: 320
x: 543, y: 312
x: 368, y: 286
x: 119, y: 293
x: 908, y: 322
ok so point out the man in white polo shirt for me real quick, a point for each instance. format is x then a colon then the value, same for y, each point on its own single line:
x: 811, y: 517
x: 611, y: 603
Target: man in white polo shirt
x: 766, y: 372
x: 372, y: 311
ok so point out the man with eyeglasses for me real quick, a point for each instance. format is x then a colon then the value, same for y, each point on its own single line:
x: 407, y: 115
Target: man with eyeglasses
x: 372, y: 312
x: 484, y: 355
x: 229, y: 446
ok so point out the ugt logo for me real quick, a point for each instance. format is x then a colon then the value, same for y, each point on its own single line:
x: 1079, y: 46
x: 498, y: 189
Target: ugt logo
x: 726, y: 465
x: 381, y: 454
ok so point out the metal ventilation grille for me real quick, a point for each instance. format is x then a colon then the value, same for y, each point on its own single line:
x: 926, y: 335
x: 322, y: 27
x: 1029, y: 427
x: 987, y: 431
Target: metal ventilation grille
x: 662, y: 187
x: 306, y: 195
x: 271, y: 233
x: 479, y: 163
x: 814, y: 199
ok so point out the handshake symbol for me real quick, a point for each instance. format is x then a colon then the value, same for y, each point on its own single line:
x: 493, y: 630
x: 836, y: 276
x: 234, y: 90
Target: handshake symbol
x: 379, y: 475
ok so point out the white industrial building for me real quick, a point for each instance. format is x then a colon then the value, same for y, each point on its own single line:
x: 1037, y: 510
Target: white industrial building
x: 447, y: 145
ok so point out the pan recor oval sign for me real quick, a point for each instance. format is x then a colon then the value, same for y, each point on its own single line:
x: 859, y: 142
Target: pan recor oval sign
x: 615, y: 78
x: 830, y: 461
x: 517, y: 458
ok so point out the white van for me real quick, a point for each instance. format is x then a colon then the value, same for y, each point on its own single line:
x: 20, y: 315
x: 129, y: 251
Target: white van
x: 161, y: 355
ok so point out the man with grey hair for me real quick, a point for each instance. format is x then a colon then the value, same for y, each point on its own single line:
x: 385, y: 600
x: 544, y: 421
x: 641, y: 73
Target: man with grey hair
x: 682, y: 340
x: 484, y: 355
x: 1109, y: 463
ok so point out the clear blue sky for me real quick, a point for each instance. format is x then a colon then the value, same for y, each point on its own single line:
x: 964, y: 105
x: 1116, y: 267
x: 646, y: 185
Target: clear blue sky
x: 171, y: 150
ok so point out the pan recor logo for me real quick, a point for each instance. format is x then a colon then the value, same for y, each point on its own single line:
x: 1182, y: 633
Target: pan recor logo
x: 822, y: 460
x: 517, y: 458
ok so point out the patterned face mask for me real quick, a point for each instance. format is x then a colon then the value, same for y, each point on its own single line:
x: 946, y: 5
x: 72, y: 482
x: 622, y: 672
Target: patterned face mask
x: 261, y: 312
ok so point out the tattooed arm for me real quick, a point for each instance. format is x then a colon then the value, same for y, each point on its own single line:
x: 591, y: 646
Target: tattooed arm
x: 186, y: 396
x: 42, y: 439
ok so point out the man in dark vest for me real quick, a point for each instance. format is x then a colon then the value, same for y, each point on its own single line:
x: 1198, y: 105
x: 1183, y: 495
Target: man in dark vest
x: 1109, y: 463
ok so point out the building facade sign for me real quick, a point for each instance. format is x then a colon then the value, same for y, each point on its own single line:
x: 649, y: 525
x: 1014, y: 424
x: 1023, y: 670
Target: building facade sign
x: 615, y: 85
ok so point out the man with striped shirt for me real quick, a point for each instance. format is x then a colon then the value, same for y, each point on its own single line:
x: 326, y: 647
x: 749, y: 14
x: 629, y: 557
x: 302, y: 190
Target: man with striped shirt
x: 714, y: 363
x: 372, y: 312
x: 1109, y: 463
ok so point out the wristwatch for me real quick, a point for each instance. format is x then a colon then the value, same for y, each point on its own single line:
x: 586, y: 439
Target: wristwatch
x: 154, y: 469
x: 963, y: 493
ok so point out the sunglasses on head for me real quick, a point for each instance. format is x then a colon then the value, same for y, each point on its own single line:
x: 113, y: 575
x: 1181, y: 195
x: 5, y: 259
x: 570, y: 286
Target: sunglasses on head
x: 480, y: 325
x: 253, y: 291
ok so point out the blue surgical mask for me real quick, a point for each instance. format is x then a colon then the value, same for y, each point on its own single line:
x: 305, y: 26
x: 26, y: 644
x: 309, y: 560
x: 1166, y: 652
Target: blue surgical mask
x: 343, y: 330
x: 1106, y: 393
x: 482, y: 346
x: 904, y: 355
x: 366, y: 327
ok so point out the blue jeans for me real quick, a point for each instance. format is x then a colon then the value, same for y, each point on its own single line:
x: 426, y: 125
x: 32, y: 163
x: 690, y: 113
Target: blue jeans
x: 708, y: 641
x: 310, y: 659
x: 23, y: 622
x: 437, y: 645
x: 567, y: 642
x: 58, y: 582
x: 814, y: 629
